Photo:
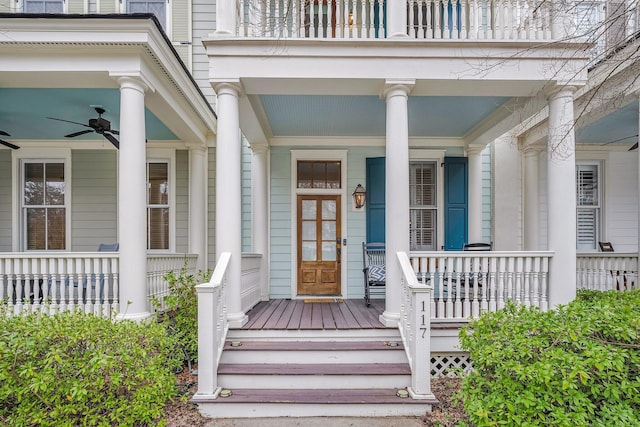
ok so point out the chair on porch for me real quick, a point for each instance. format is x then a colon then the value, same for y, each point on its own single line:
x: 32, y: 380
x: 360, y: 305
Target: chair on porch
x: 628, y: 277
x: 375, y: 270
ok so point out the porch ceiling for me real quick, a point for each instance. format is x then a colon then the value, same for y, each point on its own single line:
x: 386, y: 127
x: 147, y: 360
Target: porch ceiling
x: 617, y: 128
x: 23, y: 113
x: 354, y: 116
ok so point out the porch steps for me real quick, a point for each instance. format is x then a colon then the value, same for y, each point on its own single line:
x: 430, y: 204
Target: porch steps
x: 307, y: 373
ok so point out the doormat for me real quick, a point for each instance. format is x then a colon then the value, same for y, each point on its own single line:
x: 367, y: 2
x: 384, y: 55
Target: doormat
x: 313, y: 300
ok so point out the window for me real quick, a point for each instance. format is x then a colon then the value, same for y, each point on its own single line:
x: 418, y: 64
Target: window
x: 158, y: 205
x: 312, y: 174
x: 44, y: 207
x: 423, y: 206
x: 588, y: 206
x: 43, y: 6
x: 157, y: 7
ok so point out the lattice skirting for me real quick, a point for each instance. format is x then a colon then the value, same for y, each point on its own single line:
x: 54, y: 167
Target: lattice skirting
x: 449, y: 365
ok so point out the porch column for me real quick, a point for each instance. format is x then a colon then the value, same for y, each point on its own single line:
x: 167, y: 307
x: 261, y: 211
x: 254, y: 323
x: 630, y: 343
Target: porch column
x: 229, y: 195
x: 198, y: 203
x: 225, y: 18
x: 396, y: 95
x: 475, y: 194
x: 260, y: 212
x: 396, y: 19
x: 132, y: 200
x: 561, y: 190
x: 531, y: 199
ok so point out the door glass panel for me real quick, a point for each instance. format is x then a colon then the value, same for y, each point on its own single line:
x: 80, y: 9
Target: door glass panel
x: 304, y: 174
x: 309, y: 209
x: 328, y: 251
x: 328, y: 209
x: 308, y: 251
x: 333, y: 175
x: 329, y: 230
x: 309, y: 230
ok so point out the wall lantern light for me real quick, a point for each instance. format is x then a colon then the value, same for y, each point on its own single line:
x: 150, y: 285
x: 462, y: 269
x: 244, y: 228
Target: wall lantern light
x: 359, y: 196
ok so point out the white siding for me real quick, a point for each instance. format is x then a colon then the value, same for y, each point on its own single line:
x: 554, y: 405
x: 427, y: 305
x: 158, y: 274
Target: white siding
x: 211, y: 208
x: 247, y: 243
x: 543, y: 200
x: 5, y: 200
x: 182, y: 201
x: 94, y: 209
x: 621, y: 196
x: 487, y: 194
x: 204, y: 17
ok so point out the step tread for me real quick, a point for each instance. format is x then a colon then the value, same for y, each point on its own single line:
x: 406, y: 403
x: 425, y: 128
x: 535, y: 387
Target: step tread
x: 315, y: 369
x: 311, y: 345
x: 314, y: 396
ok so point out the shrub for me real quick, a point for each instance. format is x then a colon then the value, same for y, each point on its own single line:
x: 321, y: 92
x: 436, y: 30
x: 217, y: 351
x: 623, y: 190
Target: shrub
x: 180, y: 316
x: 578, y: 365
x: 74, y: 369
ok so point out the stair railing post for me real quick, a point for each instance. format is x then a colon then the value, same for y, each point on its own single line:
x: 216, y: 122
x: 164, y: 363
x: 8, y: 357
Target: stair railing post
x: 207, y: 340
x: 421, y: 348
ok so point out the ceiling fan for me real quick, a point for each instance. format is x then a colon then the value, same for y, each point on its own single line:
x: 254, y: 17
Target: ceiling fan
x: 98, y: 125
x: 5, y: 143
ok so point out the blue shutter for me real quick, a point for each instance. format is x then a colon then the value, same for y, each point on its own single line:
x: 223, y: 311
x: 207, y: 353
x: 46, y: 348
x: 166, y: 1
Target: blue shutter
x: 455, y: 203
x: 375, y: 199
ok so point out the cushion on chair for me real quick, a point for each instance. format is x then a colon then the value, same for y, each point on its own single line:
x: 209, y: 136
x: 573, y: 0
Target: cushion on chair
x: 377, y: 273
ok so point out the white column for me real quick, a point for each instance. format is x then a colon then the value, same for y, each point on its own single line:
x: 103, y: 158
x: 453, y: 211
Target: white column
x: 229, y: 196
x: 225, y: 18
x: 531, y: 199
x: 198, y: 203
x: 396, y: 18
x: 260, y: 212
x: 396, y: 95
x: 561, y: 190
x: 132, y: 205
x: 475, y: 195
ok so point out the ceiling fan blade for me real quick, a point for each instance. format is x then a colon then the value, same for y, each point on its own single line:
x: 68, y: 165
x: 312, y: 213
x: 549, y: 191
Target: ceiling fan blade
x: 8, y: 144
x: 112, y: 139
x: 69, y: 121
x: 633, y: 147
x: 73, y: 135
x: 3, y: 133
x: 115, y: 132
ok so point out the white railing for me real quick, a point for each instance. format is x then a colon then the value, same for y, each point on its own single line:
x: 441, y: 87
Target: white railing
x: 212, y: 328
x: 250, y: 280
x: 61, y: 281
x: 607, y: 271
x: 158, y: 265
x: 415, y: 328
x: 467, y: 284
x: 426, y: 19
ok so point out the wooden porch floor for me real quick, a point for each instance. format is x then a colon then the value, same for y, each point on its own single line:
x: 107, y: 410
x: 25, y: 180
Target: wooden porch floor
x: 285, y: 314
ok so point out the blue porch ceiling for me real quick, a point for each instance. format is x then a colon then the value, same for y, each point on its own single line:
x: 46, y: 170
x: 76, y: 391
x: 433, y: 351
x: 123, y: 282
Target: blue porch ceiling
x: 24, y: 112
x: 350, y: 116
x: 619, y: 127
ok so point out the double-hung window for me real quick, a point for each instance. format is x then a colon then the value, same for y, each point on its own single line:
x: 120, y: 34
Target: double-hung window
x: 588, y: 206
x: 156, y: 7
x: 423, y: 206
x: 44, y: 205
x: 158, y: 203
x: 43, y: 6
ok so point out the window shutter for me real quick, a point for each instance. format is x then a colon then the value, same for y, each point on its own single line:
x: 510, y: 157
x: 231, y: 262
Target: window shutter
x: 587, y: 230
x: 588, y: 204
x: 375, y: 206
x: 455, y: 203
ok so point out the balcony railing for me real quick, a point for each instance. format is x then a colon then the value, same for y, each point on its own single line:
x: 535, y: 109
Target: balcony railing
x: 607, y: 271
x: 367, y: 19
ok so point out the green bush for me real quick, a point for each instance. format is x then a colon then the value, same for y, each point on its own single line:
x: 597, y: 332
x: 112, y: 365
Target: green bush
x: 74, y: 369
x: 578, y: 365
x: 180, y: 315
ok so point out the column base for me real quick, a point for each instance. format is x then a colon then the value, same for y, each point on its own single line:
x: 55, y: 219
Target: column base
x: 136, y: 317
x: 237, y: 320
x: 390, y: 320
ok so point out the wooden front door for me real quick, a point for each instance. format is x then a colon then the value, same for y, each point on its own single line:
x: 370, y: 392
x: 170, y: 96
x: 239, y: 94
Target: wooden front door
x: 319, y: 245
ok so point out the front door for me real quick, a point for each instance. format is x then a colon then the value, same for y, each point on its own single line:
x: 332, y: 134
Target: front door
x: 319, y: 245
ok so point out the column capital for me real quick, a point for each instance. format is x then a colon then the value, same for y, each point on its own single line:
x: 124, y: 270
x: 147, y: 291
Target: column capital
x: 135, y: 81
x: 259, y: 148
x: 397, y: 88
x: 474, y: 150
x: 531, y: 150
x: 560, y: 91
x: 227, y: 87
x: 196, y: 147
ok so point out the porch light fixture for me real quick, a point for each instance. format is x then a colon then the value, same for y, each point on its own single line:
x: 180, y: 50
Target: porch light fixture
x: 359, y: 196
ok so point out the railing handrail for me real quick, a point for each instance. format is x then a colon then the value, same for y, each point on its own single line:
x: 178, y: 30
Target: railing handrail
x: 481, y: 254
x: 220, y: 270
x: 607, y: 255
x: 53, y: 255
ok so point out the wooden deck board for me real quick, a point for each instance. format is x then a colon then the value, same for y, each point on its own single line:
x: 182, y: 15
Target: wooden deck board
x: 314, y: 369
x: 320, y: 396
x: 284, y: 314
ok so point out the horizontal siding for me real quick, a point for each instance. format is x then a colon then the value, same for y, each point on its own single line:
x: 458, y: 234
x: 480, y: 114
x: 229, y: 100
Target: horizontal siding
x: 5, y: 201
x: 247, y: 243
x: 487, y: 195
x: 76, y: 6
x: 203, y: 24
x: 621, y: 195
x: 211, y: 209
x: 94, y: 209
x: 108, y: 6
x: 182, y: 201
x: 281, y: 251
